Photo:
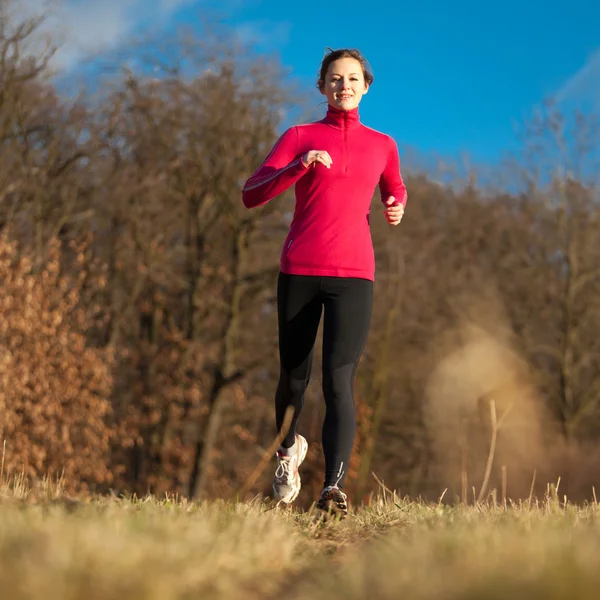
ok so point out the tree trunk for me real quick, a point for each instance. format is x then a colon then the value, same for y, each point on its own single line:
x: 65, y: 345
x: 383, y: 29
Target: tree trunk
x: 226, y: 373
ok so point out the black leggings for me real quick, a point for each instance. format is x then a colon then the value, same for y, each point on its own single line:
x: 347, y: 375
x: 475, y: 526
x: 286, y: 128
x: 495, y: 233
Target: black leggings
x: 348, y: 303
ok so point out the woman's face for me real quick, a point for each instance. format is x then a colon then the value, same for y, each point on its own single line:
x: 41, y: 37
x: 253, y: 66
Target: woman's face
x: 344, y: 83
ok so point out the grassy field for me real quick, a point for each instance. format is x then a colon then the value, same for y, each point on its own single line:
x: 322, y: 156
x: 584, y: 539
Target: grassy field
x: 109, y: 548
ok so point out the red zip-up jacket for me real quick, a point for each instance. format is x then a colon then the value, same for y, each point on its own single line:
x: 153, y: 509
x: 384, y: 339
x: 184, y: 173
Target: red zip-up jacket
x: 330, y: 232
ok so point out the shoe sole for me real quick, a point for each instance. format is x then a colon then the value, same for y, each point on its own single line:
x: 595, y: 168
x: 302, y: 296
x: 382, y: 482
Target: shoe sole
x: 329, y: 509
x: 303, y: 452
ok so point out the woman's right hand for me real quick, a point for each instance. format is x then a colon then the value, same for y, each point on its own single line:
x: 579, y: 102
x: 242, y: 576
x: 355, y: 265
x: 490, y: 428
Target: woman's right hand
x: 315, y: 156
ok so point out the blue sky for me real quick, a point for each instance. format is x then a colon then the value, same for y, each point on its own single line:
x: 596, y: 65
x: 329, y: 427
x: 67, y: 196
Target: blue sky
x: 450, y: 77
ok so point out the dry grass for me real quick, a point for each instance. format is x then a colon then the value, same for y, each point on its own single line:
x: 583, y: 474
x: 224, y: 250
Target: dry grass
x: 55, y: 548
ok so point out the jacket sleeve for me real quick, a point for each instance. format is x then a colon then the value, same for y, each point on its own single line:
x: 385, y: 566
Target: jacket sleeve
x: 278, y: 172
x: 390, y: 182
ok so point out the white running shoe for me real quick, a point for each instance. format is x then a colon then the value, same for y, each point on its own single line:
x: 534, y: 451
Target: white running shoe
x: 286, y: 484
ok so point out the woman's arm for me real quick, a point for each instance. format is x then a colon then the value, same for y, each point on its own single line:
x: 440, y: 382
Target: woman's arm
x: 279, y: 171
x: 390, y: 182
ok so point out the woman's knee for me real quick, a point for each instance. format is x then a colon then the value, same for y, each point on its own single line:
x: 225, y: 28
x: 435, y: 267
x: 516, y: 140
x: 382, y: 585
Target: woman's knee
x: 339, y: 382
x: 292, y: 387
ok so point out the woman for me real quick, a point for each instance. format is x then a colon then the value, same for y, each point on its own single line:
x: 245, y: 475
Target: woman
x: 327, y: 262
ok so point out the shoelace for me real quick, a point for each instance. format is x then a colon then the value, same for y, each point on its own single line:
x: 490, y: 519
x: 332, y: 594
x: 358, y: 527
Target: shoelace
x: 284, y: 469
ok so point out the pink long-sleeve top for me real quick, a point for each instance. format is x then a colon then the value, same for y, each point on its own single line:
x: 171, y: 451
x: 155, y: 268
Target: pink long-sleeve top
x: 330, y: 233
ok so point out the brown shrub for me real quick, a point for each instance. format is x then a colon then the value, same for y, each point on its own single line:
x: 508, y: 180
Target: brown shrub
x: 54, y: 389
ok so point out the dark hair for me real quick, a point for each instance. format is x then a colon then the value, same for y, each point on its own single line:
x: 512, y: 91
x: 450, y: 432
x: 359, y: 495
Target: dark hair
x: 333, y: 55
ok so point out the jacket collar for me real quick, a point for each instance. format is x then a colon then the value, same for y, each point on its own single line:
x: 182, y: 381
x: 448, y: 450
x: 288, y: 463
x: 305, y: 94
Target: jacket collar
x: 342, y: 119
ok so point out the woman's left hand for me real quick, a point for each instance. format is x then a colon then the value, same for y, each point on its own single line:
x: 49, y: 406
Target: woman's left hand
x: 393, y: 212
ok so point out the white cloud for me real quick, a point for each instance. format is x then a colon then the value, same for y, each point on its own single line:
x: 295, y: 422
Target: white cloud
x: 84, y: 28
x: 584, y: 86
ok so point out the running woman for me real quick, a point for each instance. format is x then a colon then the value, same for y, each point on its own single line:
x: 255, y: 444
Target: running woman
x: 327, y: 262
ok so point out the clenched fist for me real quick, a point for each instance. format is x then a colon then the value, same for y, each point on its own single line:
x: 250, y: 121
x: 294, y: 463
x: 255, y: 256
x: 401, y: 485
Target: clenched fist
x: 315, y: 156
x: 393, y: 211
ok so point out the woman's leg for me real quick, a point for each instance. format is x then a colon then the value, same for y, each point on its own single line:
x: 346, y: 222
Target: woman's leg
x: 348, y: 305
x: 299, y: 312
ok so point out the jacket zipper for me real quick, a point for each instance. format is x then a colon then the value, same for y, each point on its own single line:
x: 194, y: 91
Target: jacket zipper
x: 345, y: 143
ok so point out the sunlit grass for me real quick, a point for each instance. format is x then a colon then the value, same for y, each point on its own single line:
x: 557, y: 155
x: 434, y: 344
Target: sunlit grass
x: 104, y: 548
